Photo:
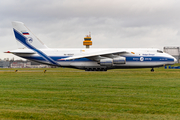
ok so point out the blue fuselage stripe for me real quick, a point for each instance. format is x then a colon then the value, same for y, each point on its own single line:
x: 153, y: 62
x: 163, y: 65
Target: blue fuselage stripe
x: 148, y: 59
x: 128, y: 59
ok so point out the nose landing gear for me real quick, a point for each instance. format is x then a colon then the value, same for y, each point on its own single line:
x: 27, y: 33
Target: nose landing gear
x: 152, y: 70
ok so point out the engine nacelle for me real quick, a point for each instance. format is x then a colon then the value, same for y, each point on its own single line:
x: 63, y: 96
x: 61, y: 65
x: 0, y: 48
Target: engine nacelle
x: 106, y: 62
x: 111, y: 61
x: 119, y: 60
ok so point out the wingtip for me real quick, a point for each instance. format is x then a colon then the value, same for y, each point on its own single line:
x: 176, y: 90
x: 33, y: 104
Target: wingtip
x: 7, y: 52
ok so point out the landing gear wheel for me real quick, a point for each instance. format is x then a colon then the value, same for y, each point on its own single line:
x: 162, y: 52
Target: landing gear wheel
x: 90, y: 69
x: 152, y: 70
x: 98, y: 69
x: 105, y: 69
x: 86, y: 69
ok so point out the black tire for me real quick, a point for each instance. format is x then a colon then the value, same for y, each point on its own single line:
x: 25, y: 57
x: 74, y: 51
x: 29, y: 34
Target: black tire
x: 86, y: 69
x: 98, y: 69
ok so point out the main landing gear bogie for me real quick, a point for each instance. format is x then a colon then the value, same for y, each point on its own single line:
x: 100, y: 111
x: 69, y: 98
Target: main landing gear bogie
x: 96, y: 69
x: 104, y: 69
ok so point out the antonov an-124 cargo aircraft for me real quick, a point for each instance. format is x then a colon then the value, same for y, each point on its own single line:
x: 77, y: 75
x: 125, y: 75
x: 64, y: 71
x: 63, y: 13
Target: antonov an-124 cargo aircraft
x: 88, y: 59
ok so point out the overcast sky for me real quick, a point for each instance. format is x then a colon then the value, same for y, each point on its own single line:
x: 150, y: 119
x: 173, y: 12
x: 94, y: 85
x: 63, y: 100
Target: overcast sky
x: 113, y: 23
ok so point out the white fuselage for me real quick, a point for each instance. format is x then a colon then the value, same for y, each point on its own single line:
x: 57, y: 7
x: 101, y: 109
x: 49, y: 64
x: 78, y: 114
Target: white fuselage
x: 134, y: 58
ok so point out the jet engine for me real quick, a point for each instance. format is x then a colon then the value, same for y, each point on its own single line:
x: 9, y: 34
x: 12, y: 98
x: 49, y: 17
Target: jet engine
x: 106, y: 62
x: 119, y: 60
x: 111, y: 61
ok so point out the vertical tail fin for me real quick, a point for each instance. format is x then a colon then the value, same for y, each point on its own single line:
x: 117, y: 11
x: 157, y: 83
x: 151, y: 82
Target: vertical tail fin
x: 26, y: 38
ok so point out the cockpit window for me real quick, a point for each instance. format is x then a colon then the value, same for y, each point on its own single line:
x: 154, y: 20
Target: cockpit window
x: 159, y: 51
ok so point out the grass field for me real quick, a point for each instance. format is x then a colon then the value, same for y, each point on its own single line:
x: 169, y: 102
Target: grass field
x: 63, y: 93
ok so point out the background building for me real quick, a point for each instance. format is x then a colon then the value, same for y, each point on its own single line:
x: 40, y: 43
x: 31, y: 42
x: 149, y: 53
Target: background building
x: 174, y: 51
x: 4, y: 64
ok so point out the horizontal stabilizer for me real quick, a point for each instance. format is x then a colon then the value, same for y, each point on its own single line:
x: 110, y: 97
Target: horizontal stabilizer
x: 21, y: 51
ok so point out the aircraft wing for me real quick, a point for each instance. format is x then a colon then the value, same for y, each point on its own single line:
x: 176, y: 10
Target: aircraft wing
x: 101, y: 53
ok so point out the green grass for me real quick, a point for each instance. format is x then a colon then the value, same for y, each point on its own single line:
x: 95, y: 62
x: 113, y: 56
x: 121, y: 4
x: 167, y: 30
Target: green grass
x: 63, y: 93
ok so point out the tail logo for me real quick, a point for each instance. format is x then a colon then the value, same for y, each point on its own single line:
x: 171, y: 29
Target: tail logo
x: 29, y: 40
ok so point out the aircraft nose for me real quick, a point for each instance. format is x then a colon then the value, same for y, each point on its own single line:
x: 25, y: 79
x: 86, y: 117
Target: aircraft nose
x: 175, y: 60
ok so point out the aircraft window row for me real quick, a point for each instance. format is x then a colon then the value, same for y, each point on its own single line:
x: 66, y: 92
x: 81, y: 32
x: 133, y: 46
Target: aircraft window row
x: 159, y: 51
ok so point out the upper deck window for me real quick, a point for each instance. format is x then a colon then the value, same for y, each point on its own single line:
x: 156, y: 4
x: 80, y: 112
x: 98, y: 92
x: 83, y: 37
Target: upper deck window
x: 159, y: 51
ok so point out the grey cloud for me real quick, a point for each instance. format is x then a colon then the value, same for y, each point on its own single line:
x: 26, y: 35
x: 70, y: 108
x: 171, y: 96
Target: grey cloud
x: 113, y: 23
